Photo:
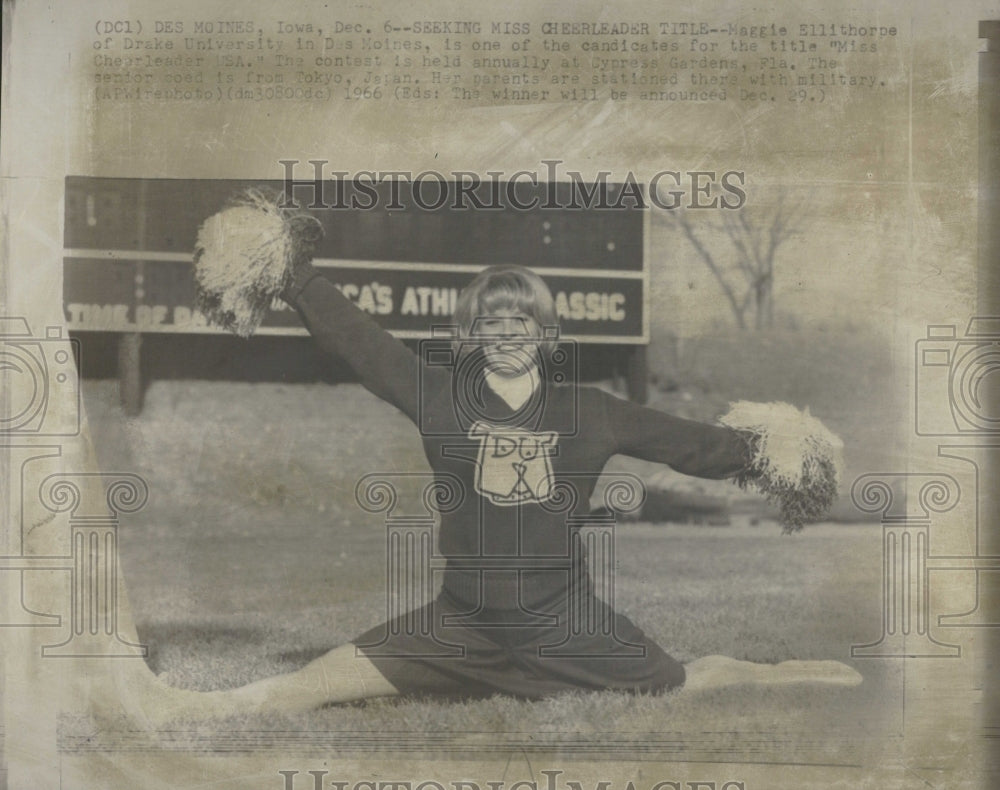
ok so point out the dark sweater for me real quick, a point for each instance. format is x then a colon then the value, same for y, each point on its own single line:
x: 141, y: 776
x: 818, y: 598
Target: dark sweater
x: 523, y: 473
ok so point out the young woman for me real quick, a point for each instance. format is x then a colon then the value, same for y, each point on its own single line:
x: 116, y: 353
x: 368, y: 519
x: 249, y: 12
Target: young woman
x: 519, y: 447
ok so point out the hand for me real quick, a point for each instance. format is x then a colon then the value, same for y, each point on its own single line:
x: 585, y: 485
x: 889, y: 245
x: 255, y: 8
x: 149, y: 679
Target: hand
x: 302, y: 273
x: 306, y: 231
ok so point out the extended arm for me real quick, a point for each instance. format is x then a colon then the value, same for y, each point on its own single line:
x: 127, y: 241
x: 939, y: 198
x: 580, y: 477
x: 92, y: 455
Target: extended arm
x: 385, y: 366
x: 689, y: 447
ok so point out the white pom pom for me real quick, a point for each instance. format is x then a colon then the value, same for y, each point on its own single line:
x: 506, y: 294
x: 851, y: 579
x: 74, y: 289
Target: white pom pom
x: 797, y: 462
x: 243, y: 259
x: 788, y: 438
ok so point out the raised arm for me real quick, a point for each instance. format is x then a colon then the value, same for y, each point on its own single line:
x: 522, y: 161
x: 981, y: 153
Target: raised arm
x: 689, y: 447
x: 385, y: 366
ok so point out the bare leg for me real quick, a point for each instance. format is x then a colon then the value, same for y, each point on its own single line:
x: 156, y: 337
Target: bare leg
x: 719, y: 671
x: 337, y: 676
x: 341, y: 675
x: 152, y: 703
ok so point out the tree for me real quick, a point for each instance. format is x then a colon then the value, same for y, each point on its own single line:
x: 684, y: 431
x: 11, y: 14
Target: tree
x: 744, y: 266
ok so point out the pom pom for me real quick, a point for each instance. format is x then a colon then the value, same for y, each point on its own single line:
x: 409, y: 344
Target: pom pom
x: 244, y: 257
x: 796, y: 461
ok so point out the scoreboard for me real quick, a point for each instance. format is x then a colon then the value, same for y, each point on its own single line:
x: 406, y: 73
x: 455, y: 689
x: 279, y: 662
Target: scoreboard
x: 128, y: 246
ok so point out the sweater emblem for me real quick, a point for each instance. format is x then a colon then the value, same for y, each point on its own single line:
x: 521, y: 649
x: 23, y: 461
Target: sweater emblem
x: 513, y: 466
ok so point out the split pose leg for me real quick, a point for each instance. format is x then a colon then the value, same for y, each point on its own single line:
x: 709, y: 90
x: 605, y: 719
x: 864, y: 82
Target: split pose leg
x: 335, y: 677
x: 719, y: 671
x: 342, y: 675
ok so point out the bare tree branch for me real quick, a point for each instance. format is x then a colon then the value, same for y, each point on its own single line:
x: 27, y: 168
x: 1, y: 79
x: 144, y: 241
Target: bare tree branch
x: 755, y: 235
x: 684, y: 223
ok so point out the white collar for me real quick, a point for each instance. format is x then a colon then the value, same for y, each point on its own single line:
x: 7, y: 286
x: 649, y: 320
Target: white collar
x: 515, y: 390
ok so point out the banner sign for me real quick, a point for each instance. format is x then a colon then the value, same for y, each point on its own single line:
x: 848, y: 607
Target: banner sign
x: 402, y: 256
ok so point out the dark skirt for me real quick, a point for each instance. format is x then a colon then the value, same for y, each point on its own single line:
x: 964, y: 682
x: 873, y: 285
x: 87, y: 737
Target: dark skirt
x: 444, y: 648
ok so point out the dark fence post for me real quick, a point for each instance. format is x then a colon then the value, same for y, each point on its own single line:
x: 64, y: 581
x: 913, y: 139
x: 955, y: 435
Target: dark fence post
x: 130, y: 372
x: 637, y: 373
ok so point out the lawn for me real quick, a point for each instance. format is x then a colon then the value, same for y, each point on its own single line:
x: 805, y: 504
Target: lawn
x: 252, y: 558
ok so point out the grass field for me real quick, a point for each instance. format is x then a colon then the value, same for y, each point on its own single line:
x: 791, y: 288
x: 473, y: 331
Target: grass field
x: 252, y: 558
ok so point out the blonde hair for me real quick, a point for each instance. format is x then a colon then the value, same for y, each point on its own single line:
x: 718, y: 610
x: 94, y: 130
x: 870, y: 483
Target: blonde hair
x: 508, y: 287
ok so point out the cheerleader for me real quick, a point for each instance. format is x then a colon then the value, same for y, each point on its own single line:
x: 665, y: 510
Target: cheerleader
x: 504, y: 623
